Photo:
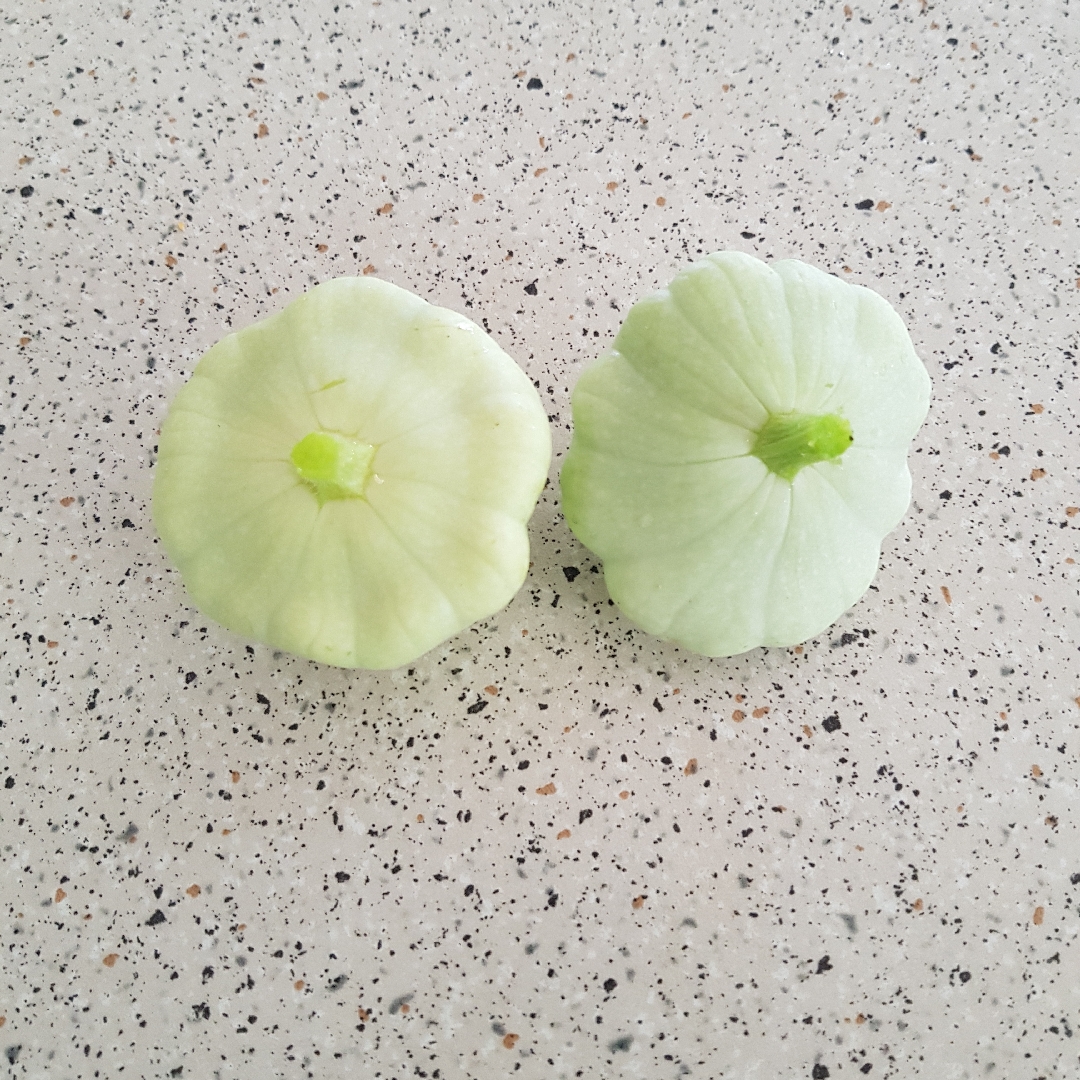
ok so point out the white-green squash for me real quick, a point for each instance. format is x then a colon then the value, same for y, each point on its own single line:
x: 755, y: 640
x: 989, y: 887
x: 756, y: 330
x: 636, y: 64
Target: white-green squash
x: 350, y: 479
x: 741, y: 452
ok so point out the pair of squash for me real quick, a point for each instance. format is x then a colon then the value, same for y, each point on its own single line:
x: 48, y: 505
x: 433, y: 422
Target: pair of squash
x: 350, y: 479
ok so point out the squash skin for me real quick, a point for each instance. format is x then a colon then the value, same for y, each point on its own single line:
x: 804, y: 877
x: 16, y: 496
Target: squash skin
x: 701, y: 543
x: 438, y: 539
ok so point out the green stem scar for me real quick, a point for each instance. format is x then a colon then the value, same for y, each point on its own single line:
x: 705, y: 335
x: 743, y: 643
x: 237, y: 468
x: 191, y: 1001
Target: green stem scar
x: 334, y: 466
x: 789, y: 441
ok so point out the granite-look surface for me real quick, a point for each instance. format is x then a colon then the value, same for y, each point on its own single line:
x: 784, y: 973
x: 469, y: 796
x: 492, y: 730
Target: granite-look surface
x: 554, y: 847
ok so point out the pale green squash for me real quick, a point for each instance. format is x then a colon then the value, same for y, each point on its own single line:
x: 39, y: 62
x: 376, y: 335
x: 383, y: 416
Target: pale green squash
x: 350, y: 479
x: 741, y: 452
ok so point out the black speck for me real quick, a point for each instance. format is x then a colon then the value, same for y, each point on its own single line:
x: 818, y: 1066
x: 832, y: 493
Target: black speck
x: 665, y: 760
x: 1075, y: 878
x: 534, y: 84
x: 469, y: 890
x: 12, y: 1053
x: 944, y: 496
x: 823, y: 965
x: 341, y: 877
x: 156, y: 919
x: 584, y: 815
x: 820, y: 1072
x: 748, y: 235
x: 964, y: 976
x: 77, y: 122
x: 531, y: 288
x: 571, y: 572
x: 864, y: 204
x: 337, y: 982
x: 656, y: 705
x: 622, y: 1043
x: 9, y: 782
x: 523, y: 764
x: 831, y: 723
x: 609, y: 985
x: 952, y: 41
x: 479, y: 705
x: 190, y: 677
x: 27, y: 191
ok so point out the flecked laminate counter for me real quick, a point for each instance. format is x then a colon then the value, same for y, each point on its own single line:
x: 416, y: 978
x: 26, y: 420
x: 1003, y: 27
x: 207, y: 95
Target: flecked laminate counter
x: 553, y: 847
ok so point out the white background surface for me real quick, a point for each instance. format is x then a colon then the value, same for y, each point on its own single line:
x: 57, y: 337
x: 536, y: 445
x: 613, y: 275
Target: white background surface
x: 895, y: 894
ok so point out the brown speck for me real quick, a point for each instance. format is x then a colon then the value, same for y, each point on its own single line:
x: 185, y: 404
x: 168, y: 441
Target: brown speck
x: 132, y: 839
x: 478, y: 197
x: 170, y: 261
x: 807, y: 730
x: 547, y: 789
x: 624, y: 794
x: 638, y: 902
x: 883, y: 206
x: 58, y: 896
x: 839, y: 95
x: 524, y: 633
x: 385, y: 208
x: 537, y: 172
x: 738, y: 716
x: 420, y: 818
x: 759, y: 712
x: 51, y: 644
x: 960, y: 808
x: 1037, y: 917
x: 571, y: 56
x: 994, y: 455
x: 1072, y: 511
x: 519, y: 74
x: 369, y: 269
x: 847, y: 12
x: 1036, y: 771
x: 1006, y: 188
x: 323, y: 96
x: 563, y: 834
x: 847, y: 269
x: 1037, y: 474
x: 1070, y: 560
x: 67, y: 500
x: 859, y: 847
x: 877, y: 120
x: 686, y: 115
x: 363, y: 1014
x: 223, y: 247
x: 740, y: 698
x: 56, y: 112
x: 566, y: 730
x: 690, y: 768
x: 193, y: 891
x: 320, y: 248
x: 3, y: 1020
x: 263, y: 131
x: 860, y: 1019
x: 726, y: 87
x: 568, y: 97
x: 1036, y: 408
x: 543, y: 142
x: 492, y: 690
x: 234, y: 776
x: 404, y: 1006
x: 224, y: 832
x: 1037, y: 598
x: 917, y: 906
x: 1051, y: 820
x: 661, y: 201
x: 945, y: 592
x: 612, y: 185
x: 24, y: 341
x: 298, y: 985
x: 798, y: 649
x: 241, y: 928
x: 509, y: 1040
x: 111, y: 959
x: 25, y: 159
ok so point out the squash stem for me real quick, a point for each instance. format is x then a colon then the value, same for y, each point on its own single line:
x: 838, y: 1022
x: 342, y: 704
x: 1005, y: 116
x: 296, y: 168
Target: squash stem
x: 790, y: 441
x: 334, y: 466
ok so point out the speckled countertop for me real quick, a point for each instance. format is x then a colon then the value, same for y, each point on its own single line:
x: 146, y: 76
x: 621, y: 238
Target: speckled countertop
x: 554, y: 847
